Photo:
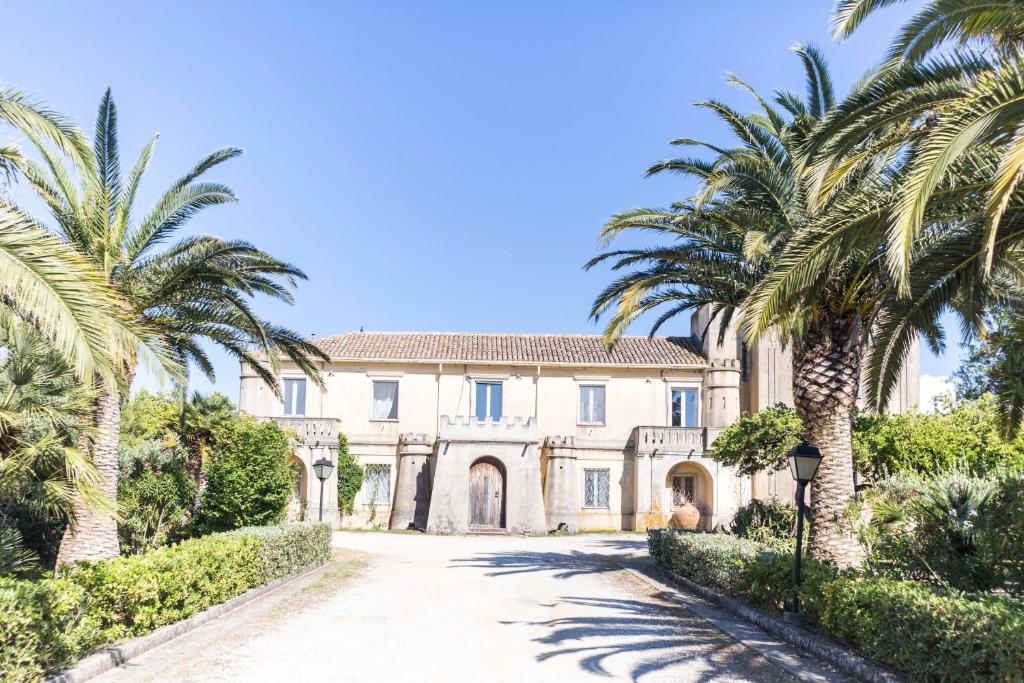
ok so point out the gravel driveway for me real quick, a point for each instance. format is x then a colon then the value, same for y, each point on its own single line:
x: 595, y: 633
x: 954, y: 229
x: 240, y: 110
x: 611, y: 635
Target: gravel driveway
x: 476, y: 608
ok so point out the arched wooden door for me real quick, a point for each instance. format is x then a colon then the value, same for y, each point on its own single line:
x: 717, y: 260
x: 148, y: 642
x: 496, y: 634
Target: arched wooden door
x: 486, y: 495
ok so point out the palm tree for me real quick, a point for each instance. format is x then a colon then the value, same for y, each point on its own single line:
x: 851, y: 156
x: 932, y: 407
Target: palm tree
x: 42, y: 406
x: 196, y: 289
x: 963, y: 138
x: 756, y: 244
x: 44, y: 280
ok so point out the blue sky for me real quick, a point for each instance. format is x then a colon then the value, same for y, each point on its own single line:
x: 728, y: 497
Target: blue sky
x: 430, y: 165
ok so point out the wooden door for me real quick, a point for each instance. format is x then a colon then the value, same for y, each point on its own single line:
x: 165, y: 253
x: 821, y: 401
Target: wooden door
x: 486, y: 495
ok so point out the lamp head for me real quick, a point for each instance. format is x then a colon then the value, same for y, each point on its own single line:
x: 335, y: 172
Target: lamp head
x: 803, y: 462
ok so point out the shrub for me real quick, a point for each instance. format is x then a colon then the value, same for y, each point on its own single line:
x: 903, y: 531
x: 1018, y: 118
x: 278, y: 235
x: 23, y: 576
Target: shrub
x: 953, y: 531
x: 760, y: 441
x: 50, y: 623
x: 771, y: 523
x: 156, y: 495
x: 350, y: 477
x: 741, y: 568
x: 939, y: 636
x: 248, y: 480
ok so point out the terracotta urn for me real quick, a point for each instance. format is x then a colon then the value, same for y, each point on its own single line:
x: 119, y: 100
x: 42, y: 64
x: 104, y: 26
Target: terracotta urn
x: 686, y: 516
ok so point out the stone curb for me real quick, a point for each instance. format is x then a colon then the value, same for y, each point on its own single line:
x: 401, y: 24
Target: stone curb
x: 112, y: 657
x: 847, y: 661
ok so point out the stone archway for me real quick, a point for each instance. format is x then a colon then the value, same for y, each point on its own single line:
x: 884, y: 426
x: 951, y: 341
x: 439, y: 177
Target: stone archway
x: 689, y: 480
x: 487, y: 494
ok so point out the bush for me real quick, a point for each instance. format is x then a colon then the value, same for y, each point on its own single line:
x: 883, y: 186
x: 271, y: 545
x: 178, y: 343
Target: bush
x: 248, y: 480
x: 156, y: 496
x: 759, y: 442
x: 50, y: 623
x: 741, y: 568
x: 771, y: 523
x: 935, y: 634
x: 953, y: 531
x: 939, y: 636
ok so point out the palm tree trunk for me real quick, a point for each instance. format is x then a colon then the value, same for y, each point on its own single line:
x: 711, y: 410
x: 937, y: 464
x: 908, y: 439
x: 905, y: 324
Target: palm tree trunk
x: 826, y: 380
x: 93, y: 534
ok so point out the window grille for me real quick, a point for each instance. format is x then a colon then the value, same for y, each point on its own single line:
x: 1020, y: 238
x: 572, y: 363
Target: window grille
x: 378, y: 484
x: 595, y: 488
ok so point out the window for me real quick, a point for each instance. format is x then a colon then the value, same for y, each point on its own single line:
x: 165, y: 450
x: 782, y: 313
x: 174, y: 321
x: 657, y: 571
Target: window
x: 294, y: 397
x: 591, y: 405
x: 377, y: 488
x: 684, y: 407
x: 385, y: 400
x: 684, y: 489
x: 488, y: 401
x: 595, y: 488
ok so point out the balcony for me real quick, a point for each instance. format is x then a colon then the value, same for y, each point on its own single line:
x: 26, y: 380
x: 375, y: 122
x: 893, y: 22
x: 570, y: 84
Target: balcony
x: 668, y: 440
x: 311, y: 430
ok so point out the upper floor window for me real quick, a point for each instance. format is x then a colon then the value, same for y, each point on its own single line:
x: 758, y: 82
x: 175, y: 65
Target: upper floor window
x: 488, y: 401
x: 684, y: 407
x: 385, y: 400
x: 591, y: 404
x: 294, y: 397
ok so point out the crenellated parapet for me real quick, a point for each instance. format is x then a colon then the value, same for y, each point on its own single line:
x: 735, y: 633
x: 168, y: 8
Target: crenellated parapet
x: 411, y: 442
x: 559, y: 442
x: 506, y: 430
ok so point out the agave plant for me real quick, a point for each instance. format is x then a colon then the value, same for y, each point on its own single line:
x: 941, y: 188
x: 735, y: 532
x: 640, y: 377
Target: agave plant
x: 196, y: 288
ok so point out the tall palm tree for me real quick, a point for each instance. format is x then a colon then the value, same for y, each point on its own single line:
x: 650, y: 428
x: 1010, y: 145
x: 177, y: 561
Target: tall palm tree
x: 752, y: 246
x: 196, y: 289
x: 963, y: 139
x: 44, y: 280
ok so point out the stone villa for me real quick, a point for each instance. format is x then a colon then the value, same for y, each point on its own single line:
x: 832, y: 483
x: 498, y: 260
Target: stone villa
x: 461, y: 432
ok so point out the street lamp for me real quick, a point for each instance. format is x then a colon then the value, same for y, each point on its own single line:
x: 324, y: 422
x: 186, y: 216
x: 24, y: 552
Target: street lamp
x: 803, y: 465
x: 322, y: 468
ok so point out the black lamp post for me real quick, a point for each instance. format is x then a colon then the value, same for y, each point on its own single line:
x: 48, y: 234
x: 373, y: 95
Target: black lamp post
x: 322, y: 468
x: 803, y: 464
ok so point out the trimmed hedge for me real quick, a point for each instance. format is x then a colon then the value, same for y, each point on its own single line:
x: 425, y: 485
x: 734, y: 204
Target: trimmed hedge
x: 740, y: 568
x: 935, y: 635
x: 932, y: 634
x: 51, y: 623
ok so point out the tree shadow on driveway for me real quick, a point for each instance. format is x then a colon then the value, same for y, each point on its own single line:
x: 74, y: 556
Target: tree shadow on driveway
x: 652, y: 637
x: 568, y: 564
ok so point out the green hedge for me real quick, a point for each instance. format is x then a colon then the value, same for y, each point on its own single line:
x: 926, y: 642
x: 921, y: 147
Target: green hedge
x: 51, y: 623
x: 933, y: 634
x: 740, y: 568
x: 936, y: 635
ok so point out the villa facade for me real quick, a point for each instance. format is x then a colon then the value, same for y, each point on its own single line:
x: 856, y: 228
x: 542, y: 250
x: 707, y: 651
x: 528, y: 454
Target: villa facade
x: 527, y: 433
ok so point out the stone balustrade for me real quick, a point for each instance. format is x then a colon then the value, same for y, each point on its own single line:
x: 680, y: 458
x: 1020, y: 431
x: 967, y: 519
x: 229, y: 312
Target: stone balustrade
x: 669, y: 440
x: 312, y: 430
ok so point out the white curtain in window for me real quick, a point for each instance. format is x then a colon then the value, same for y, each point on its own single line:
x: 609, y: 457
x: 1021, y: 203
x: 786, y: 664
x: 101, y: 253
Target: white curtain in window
x: 385, y: 400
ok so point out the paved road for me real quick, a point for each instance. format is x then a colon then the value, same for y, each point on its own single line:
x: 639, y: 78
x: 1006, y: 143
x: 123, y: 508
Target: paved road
x: 430, y: 608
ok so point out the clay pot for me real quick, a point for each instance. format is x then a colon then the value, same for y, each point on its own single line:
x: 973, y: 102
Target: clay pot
x: 686, y: 516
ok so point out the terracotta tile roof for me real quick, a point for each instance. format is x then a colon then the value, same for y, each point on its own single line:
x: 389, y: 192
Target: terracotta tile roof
x: 543, y: 349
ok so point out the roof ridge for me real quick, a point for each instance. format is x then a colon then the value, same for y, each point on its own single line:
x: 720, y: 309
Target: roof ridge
x: 507, y: 334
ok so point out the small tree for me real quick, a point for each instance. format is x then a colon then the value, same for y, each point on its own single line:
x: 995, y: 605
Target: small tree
x: 350, y: 477
x: 759, y: 442
x: 248, y: 480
